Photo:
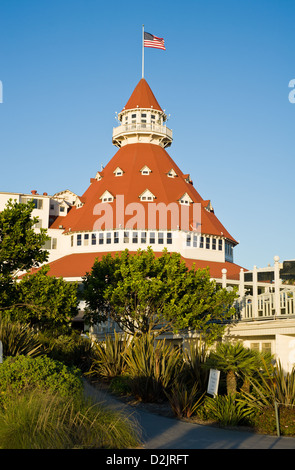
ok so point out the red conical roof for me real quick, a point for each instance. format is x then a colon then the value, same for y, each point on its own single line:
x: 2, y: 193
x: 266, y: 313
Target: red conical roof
x: 142, y: 97
x: 131, y: 159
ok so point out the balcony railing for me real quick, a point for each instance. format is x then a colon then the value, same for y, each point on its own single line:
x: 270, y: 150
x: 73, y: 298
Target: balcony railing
x: 142, y: 128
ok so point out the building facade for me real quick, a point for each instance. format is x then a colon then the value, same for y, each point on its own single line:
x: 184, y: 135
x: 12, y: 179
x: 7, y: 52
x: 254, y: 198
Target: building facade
x: 142, y: 198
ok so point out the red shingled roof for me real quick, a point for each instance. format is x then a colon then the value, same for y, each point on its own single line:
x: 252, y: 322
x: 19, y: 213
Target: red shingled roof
x: 142, y: 97
x: 78, y: 264
x: 131, y: 159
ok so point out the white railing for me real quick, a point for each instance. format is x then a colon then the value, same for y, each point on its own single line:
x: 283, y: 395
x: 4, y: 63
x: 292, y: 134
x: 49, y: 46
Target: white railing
x: 142, y: 127
x: 264, y: 305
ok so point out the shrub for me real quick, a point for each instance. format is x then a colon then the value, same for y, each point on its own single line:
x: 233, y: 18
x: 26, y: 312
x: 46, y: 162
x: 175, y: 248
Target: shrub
x: 184, y: 402
x: 19, y: 339
x: 226, y: 409
x: 37, y: 420
x: 71, y: 349
x: 120, y: 385
x: 20, y: 373
x: 153, y: 368
x: 109, y: 360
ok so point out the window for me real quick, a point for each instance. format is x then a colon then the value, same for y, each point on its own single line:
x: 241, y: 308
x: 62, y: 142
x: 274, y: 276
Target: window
x: 266, y: 348
x: 207, y: 243
x: 145, y: 170
x: 135, y: 237
x: 79, y: 239
x: 86, y: 239
x: 100, y: 239
x: 109, y: 238
x: 143, y: 237
x: 143, y: 118
x: 54, y: 243
x: 161, y: 238
x: 72, y: 240
x: 195, y: 241
x: 118, y: 172
x: 188, y: 239
x: 185, y: 199
x: 38, y: 203
x: 214, y: 244
x: 116, y: 237
x: 152, y: 237
x: 61, y: 209
x: 147, y: 196
x: 220, y: 245
x: 93, y: 239
x: 201, y: 242
x: 107, y: 197
x: 126, y: 237
x: 169, y: 238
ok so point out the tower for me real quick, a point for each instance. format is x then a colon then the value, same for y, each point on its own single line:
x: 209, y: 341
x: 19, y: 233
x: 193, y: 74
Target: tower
x: 140, y: 199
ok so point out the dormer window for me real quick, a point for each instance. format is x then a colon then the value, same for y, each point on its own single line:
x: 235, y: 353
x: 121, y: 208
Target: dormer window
x: 118, y: 172
x: 145, y: 170
x: 107, y: 197
x: 172, y: 173
x: 98, y: 176
x: 147, y: 196
x: 185, y: 199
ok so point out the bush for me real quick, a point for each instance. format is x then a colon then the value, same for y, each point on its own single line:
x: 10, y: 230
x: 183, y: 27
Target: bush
x: 109, y: 360
x: 21, y: 372
x: 153, y: 368
x: 19, y: 339
x: 226, y: 409
x: 184, y: 402
x: 37, y: 420
x: 71, y: 349
x: 121, y: 385
x: 265, y: 421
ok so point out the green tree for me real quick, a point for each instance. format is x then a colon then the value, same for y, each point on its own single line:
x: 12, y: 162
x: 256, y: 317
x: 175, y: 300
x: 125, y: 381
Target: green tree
x: 142, y: 291
x: 20, y: 247
x: 44, y: 300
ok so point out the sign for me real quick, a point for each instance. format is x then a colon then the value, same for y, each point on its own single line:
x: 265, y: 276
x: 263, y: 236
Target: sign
x: 213, y: 382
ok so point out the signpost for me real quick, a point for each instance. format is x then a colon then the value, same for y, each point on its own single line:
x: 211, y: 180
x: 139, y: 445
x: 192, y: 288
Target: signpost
x: 213, y: 382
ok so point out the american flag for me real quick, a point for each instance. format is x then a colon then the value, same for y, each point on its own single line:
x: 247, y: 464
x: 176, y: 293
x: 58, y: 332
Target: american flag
x: 152, y: 41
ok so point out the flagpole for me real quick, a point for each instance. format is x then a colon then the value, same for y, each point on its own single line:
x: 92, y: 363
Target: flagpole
x: 142, y: 73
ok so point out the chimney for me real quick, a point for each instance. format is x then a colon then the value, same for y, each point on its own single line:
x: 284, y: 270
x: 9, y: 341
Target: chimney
x: 34, y: 191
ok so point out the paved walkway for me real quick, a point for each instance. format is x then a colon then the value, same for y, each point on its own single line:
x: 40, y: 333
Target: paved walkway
x: 159, y: 432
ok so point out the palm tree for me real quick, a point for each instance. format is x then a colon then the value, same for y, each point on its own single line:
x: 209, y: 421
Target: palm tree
x: 236, y: 361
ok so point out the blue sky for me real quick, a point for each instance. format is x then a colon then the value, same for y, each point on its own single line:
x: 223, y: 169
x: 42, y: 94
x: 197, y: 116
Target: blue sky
x: 68, y: 65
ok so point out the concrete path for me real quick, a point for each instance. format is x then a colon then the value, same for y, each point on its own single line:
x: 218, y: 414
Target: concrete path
x: 159, y: 432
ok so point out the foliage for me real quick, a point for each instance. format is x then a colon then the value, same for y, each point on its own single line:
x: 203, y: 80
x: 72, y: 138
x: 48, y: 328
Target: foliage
x: 271, y: 384
x: 120, y: 385
x: 109, y: 360
x: 264, y: 421
x: 226, y: 409
x: 44, y: 300
x: 194, y: 368
x: 183, y: 401
x: 153, y: 367
x: 20, y: 247
x: 68, y: 346
x: 236, y: 361
x: 19, y: 339
x: 37, y: 420
x: 20, y: 373
x: 141, y: 291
